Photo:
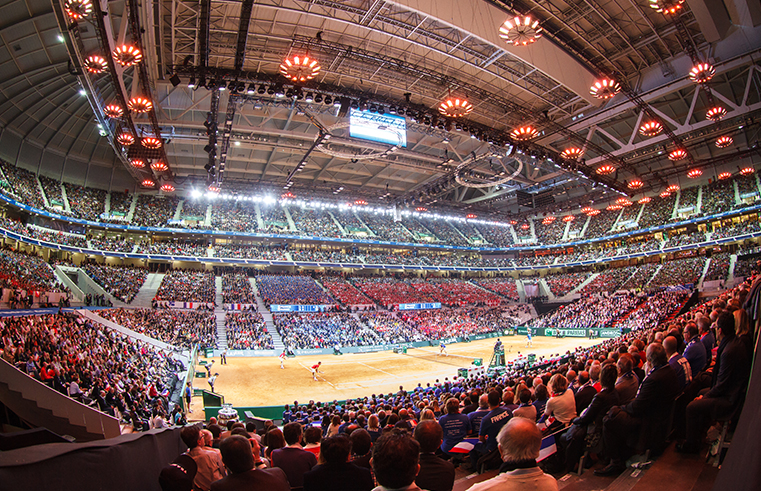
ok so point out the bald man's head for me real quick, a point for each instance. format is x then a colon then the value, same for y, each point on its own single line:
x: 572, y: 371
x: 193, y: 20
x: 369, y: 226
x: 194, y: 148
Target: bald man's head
x: 519, y: 439
x: 669, y: 344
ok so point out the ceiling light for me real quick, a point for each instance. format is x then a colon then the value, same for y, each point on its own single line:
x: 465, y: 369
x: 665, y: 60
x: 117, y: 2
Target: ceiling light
x: 605, y: 88
x: 151, y: 142
x: 251, y: 89
x: 139, y: 104
x: 524, y: 133
x: 702, y: 73
x: 454, y: 107
x: 665, y: 194
x: 299, y: 68
x: 471, y: 215
x: 148, y: 183
x: 594, y: 212
x: 77, y: 9
x: 635, y: 184
x: 167, y: 188
x: 113, y: 111
x: 716, y: 113
x: 525, y: 226
x: 651, y: 128
x: 746, y: 171
x: 96, y: 64
x: 644, y: 199
x: 137, y: 163
x: 677, y: 154
x: 513, y: 222
x: 614, y: 207
x: 548, y: 220
x: 569, y: 218
x: 159, y: 166
x: 572, y: 153
x: 606, y: 169
x: 622, y: 200
x: 694, y: 173
x: 666, y: 6
x: 213, y: 188
x: 421, y: 208
x: 725, y: 175
x: 127, y: 55
x: 673, y: 188
x: 125, y: 138
x: 724, y: 141
x: 309, y: 97
x: 587, y: 210
x: 520, y: 31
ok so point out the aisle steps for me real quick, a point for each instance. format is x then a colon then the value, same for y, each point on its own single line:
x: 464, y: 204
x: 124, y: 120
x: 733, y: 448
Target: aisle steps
x: 219, y: 314
x: 277, y: 341
x: 148, y: 290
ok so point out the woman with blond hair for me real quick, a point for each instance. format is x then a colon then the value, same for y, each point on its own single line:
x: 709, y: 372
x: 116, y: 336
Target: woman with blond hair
x: 562, y: 403
x: 743, y: 330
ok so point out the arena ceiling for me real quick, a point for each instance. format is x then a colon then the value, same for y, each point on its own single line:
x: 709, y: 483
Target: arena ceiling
x: 407, y: 54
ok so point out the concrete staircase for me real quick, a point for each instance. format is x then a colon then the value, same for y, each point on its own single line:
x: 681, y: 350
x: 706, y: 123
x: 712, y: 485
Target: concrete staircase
x: 89, y: 285
x: 219, y: 314
x: 148, y: 290
x: 41, y: 406
x: 583, y: 284
x: 269, y: 323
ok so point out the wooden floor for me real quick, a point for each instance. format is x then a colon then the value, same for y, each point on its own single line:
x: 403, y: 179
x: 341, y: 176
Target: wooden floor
x: 257, y: 381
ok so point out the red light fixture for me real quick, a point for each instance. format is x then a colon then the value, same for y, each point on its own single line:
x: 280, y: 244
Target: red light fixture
x: 635, y: 184
x: 299, y: 68
x: 677, y: 154
x: 151, y: 142
x: 694, y: 173
x: 95, y: 64
x: 548, y: 219
x: 621, y: 200
x: 594, y: 212
x: 614, y: 207
x: 113, y: 111
x: 665, y: 194
x: 702, y: 73
x: 513, y: 222
x: 605, y: 169
x: 127, y: 55
x: 673, y: 188
x: 724, y: 141
x: 421, y: 208
x: 644, y: 199
x: 725, y: 175
x: 167, y: 188
x: 716, y: 113
x: 605, y: 88
x: 471, y: 216
x: 520, y: 30
x: 666, y: 6
x: 569, y: 218
x: 587, y: 210
x: 137, y: 163
x: 524, y: 133
x: 159, y: 166
x: 360, y: 202
x: 148, y: 183
x: 572, y: 153
x: 77, y: 9
x: 454, y: 107
x: 213, y: 188
x: 746, y: 171
x: 651, y: 128
x: 525, y: 226
x: 125, y: 138
x: 139, y: 104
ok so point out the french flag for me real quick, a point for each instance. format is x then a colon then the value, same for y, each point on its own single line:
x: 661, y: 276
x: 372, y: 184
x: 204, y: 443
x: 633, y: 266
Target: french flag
x: 465, y: 446
x: 548, y: 448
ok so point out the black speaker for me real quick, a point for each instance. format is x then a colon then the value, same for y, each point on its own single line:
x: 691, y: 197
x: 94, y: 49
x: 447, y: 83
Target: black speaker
x: 345, y: 105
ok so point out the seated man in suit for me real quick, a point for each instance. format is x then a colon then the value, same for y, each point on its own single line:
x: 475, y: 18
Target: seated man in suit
x: 652, y: 403
x: 585, y: 392
x: 435, y: 474
x: 730, y: 379
x: 694, y: 352
x: 627, y: 382
x: 293, y: 459
x: 239, y: 460
x: 336, y: 473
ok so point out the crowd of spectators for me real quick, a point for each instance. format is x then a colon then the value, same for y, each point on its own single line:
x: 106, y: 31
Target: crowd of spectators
x: 154, y: 211
x: 445, y: 232
x: 641, y: 276
x: 120, y: 203
x: 194, y: 210
x: 679, y: 272
x: 735, y: 230
x: 291, y: 290
x: 452, y: 292
x: 717, y: 196
x: 274, y: 218
x: 123, y: 282
x: 689, y: 198
x: 608, y: 281
x: 175, y: 248
x: 658, y: 211
x: 181, y: 328
x: 236, y: 288
x: 550, y: 233
x: 600, y: 225
x: 718, y: 269
x: 586, y: 313
x: 187, y: 286
x: 503, y: 286
x: 111, y: 243
x: 39, y: 233
x: 116, y: 374
x: 251, y: 251
x: 684, y: 239
x: 385, y: 228
x: 747, y: 185
x: 325, y: 255
x: 85, y: 203
x: 351, y: 224
x: 425, y: 325
x: 389, y: 292
x: 314, y: 222
x: 562, y: 284
x: 345, y: 292
x: 53, y: 193
x: 322, y: 330
x: 20, y: 271
x: 654, y: 310
x: 235, y: 216
x: 23, y: 184
x: 246, y: 330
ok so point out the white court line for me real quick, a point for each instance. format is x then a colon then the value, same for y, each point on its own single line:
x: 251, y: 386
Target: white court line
x: 318, y: 374
x: 382, y: 371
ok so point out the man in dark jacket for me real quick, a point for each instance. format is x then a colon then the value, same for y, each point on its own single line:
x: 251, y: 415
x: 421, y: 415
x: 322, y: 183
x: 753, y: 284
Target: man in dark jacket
x: 590, y: 420
x: 730, y: 379
x: 585, y: 393
x: 337, y: 474
x: 651, y: 405
x: 293, y: 459
x: 239, y: 460
x: 435, y: 474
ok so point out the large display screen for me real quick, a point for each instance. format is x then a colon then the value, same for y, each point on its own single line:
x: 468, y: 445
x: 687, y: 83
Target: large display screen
x: 419, y: 306
x: 382, y: 128
x: 299, y: 308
